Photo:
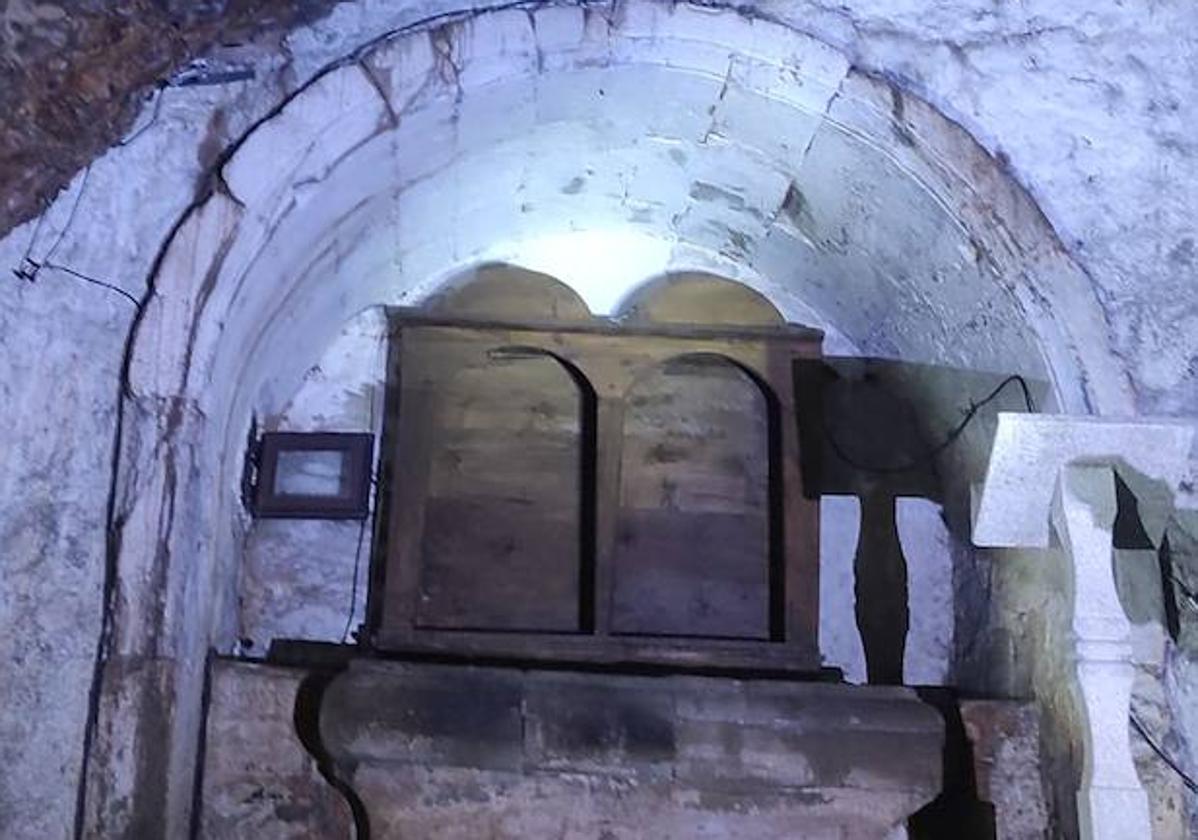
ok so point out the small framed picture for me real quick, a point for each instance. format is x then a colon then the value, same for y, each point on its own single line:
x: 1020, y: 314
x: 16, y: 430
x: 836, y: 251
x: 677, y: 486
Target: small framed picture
x: 314, y: 475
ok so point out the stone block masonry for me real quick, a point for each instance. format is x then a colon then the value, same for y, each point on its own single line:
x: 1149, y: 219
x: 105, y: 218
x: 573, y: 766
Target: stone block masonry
x: 452, y: 751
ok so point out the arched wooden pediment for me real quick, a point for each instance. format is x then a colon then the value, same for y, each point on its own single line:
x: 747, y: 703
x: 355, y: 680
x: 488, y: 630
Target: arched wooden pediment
x: 699, y: 298
x: 498, y: 291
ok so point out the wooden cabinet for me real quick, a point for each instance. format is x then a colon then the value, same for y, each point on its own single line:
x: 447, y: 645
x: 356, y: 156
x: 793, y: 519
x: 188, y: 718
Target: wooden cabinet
x: 588, y: 490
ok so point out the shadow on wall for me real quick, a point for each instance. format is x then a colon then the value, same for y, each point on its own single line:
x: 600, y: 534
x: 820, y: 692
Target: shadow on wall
x: 1156, y: 576
x: 881, y: 430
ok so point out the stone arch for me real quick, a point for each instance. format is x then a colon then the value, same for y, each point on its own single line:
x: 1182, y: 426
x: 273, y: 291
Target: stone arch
x: 442, y: 147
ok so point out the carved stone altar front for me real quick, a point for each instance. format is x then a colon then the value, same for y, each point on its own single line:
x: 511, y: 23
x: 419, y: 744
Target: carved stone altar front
x: 469, y: 752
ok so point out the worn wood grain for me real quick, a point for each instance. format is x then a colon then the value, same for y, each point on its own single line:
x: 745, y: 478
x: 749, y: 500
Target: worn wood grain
x: 693, y: 543
x: 596, y: 491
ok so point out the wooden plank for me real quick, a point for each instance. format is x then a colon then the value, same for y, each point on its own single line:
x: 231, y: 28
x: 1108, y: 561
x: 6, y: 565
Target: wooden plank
x: 383, y: 568
x: 612, y: 650
x: 692, y: 553
x: 611, y: 327
x: 700, y: 575
x: 797, y: 524
x: 609, y: 444
x: 501, y: 547
x: 409, y: 484
x: 497, y: 564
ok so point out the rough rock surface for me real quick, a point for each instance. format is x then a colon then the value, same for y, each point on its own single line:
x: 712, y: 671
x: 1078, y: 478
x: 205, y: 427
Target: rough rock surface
x: 260, y: 782
x: 1088, y: 104
x: 1004, y: 740
x: 73, y: 76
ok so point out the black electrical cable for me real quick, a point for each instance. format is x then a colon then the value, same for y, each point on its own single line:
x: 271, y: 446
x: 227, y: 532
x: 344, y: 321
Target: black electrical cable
x: 1162, y: 755
x: 353, y: 590
x: 374, y: 480
x: 974, y: 408
x: 78, y: 275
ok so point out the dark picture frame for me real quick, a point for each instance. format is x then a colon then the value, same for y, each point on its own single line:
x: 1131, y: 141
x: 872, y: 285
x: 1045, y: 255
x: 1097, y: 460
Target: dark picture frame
x: 356, y: 450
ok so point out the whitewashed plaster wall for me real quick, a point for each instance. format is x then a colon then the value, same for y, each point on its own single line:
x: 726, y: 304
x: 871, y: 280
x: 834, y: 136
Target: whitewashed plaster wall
x: 306, y: 578
x: 839, y: 641
x: 689, y: 125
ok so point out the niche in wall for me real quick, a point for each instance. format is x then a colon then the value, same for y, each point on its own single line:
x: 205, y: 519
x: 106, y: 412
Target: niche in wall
x: 621, y: 490
x: 305, y: 579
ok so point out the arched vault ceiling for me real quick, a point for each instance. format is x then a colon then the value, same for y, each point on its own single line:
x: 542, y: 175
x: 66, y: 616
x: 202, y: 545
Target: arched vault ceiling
x: 606, y: 149
x: 1086, y: 103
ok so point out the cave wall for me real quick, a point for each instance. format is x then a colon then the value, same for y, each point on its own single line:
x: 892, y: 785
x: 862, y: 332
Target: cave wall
x: 1082, y: 104
x: 75, y: 76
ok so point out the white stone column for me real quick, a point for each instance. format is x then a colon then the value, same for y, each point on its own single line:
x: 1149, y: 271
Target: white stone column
x: 1056, y: 473
x: 1112, y: 804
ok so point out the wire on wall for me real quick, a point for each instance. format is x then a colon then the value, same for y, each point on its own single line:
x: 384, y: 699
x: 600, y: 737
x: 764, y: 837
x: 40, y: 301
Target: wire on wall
x: 374, y: 489
x: 1169, y: 761
x: 935, y: 451
x: 29, y: 268
x: 353, y: 589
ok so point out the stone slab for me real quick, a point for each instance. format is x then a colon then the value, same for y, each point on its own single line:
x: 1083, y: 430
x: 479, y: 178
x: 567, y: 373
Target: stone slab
x: 613, y: 756
x: 438, y: 715
x: 1012, y: 508
x: 592, y: 725
x: 259, y: 782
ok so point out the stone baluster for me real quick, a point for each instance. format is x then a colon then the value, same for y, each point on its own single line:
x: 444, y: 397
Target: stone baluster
x: 1057, y: 474
x: 1112, y: 804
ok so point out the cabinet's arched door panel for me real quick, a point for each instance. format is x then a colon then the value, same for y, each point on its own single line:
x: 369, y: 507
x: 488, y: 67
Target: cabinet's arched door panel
x: 692, y: 553
x: 502, y: 541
